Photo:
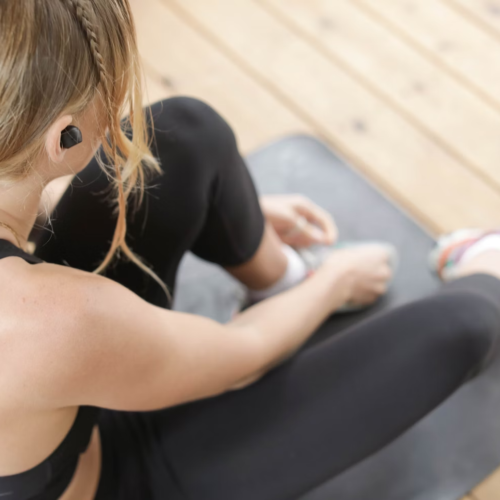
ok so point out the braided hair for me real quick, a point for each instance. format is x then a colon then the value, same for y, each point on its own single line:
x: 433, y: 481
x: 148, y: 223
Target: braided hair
x: 86, y: 18
x: 47, y: 71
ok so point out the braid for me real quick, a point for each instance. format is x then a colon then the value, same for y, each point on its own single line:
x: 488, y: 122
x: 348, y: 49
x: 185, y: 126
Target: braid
x: 83, y: 14
x: 117, y: 142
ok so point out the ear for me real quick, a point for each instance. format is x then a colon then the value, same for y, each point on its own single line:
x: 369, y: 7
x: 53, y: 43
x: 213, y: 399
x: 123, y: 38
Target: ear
x: 53, y: 140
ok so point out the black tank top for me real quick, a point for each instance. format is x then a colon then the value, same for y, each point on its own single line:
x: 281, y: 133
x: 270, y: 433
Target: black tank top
x: 49, y: 480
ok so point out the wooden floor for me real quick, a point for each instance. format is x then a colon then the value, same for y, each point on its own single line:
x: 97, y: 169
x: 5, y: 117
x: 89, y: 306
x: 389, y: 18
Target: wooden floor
x: 407, y: 90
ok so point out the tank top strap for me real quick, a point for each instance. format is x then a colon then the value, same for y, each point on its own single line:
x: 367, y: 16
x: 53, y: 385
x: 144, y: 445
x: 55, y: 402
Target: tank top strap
x: 8, y: 249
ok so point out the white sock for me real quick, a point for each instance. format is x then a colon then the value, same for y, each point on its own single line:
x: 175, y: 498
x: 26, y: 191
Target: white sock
x: 491, y: 242
x: 296, y: 272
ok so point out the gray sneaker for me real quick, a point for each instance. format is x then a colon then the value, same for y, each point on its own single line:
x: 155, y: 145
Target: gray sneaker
x: 314, y: 257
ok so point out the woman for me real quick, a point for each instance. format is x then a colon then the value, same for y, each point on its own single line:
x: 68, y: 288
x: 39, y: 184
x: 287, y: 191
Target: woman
x: 107, y: 394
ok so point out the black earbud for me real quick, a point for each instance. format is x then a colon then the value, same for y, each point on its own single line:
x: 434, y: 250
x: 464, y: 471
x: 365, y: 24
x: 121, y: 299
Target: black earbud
x: 71, y: 136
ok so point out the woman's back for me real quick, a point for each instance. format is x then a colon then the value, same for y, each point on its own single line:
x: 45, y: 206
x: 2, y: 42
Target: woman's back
x: 40, y: 444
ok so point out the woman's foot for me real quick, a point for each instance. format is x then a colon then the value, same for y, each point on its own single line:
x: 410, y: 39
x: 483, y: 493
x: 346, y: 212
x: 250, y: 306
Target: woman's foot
x: 466, y: 252
x: 488, y: 262
x: 316, y: 256
x: 302, y: 263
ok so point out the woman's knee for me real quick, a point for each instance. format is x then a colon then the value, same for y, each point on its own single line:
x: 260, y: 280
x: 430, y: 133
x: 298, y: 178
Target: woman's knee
x: 190, y: 127
x: 469, y: 327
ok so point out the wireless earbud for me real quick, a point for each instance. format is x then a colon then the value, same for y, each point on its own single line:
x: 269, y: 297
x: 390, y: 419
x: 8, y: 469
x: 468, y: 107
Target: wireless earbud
x: 71, y: 136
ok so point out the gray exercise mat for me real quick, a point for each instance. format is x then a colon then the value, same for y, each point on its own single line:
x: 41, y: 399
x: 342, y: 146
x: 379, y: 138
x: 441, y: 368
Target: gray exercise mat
x: 451, y: 450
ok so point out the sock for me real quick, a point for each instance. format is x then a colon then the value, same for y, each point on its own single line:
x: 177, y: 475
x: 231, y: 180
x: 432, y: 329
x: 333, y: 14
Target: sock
x: 491, y: 242
x: 296, y: 272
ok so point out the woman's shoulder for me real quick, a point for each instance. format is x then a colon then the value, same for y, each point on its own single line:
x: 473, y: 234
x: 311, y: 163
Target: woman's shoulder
x: 39, y: 296
x: 42, y: 307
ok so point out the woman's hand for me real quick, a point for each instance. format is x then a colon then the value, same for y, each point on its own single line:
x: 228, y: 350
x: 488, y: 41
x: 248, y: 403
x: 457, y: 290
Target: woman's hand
x: 298, y: 221
x: 365, y: 272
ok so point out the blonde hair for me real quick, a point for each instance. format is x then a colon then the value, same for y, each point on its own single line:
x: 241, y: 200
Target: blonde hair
x: 56, y: 56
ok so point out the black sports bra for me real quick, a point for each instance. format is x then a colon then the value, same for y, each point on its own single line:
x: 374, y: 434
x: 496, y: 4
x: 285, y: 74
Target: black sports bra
x: 49, y: 480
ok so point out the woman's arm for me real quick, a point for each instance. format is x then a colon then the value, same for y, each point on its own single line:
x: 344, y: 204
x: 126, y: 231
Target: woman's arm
x: 99, y: 344
x: 287, y: 320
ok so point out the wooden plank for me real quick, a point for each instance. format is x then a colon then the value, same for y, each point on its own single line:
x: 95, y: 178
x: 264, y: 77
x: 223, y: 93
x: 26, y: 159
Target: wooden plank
x: 154, y: 88
x: 187, y: 64
x: 447, y: 37
x: 486, y: 13
x: 390, y: 150
x: 439, y: 105
x: 490, y: 489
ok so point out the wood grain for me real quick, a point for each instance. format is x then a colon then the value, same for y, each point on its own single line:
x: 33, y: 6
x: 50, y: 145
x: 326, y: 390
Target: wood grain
x: 154, y: 89
x: 485, y: 13
x: 187, y: 64
x: 438, y: 104
x: 459, y: 47
x: 413, y: 168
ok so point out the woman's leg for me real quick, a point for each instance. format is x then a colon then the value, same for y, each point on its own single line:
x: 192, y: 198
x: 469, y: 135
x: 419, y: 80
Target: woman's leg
x: 333, y: 404
x: 204, y: 201
x: 310, y: 419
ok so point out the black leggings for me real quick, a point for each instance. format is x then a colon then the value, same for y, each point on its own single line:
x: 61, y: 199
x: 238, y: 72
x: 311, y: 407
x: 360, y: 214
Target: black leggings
x: 329, y: 407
